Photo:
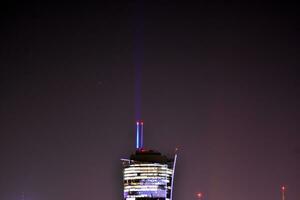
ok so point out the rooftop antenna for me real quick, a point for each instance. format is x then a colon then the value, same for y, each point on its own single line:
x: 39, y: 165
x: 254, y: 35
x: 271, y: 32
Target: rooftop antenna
x: 139, y: 135
x: 283, y: 190
x: 22, y: 196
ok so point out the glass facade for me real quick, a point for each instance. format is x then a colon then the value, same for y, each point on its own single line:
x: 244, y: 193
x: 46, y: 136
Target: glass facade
x: 150, y: 178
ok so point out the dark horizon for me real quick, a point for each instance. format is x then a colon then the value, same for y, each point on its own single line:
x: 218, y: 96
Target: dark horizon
x: 219, y: 80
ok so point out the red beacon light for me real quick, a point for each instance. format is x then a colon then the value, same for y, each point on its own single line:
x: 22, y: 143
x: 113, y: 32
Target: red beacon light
x: 283, y: 188
x: 199, y: 195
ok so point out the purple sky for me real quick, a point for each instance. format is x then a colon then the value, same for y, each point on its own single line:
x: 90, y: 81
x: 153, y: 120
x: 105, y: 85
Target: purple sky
x: 218, y: 80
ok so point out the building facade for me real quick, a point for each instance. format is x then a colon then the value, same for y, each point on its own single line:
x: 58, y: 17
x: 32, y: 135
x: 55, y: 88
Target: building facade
x: 148, y: 174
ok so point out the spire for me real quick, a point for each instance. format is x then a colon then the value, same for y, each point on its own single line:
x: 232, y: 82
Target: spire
x: 22, y: 196
x: 139, y: 135
x: 283, y: 190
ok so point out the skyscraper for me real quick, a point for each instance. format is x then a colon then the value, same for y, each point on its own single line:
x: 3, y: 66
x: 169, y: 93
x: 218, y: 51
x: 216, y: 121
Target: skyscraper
x: 147, y: 174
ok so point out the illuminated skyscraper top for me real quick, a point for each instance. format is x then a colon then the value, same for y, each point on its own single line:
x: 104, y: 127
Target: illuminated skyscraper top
x: 147, y: 174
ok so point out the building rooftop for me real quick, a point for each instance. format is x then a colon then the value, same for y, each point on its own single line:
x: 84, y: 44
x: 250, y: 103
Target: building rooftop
x: 151, y: 156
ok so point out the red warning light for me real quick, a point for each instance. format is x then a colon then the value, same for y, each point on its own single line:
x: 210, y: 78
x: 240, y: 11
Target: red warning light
x: 283, y: 188
x: 199, y: 195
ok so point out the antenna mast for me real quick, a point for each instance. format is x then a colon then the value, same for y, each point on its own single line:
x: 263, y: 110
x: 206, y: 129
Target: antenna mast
x: 139, y: 135
x: 283, y: 190
x: 23, y: 196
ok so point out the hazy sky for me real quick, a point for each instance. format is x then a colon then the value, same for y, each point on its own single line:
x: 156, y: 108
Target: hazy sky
x: 219, y: 80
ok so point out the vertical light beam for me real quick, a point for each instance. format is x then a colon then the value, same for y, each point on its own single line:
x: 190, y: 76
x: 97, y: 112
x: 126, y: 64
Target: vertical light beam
x: 138, y: 55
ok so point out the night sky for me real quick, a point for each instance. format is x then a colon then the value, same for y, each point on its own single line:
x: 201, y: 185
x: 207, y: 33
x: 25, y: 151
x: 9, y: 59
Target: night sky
x: 219, y: 80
